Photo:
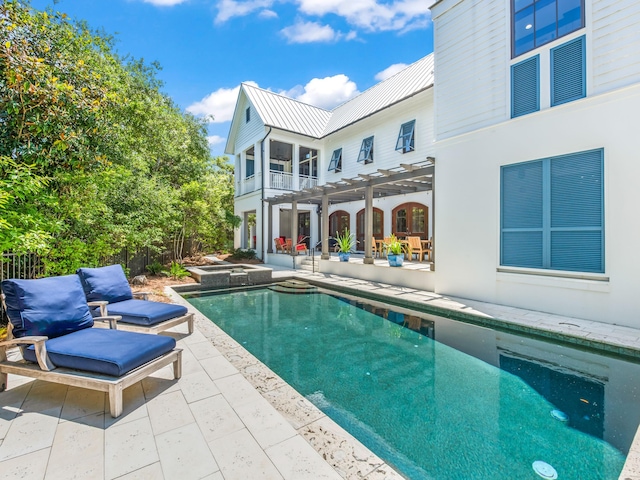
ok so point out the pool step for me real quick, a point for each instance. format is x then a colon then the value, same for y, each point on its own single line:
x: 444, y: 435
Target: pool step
x: 293, y: 286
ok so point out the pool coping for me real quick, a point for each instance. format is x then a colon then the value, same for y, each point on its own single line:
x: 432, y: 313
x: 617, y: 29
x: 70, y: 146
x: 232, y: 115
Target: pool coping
x: 605, y: 338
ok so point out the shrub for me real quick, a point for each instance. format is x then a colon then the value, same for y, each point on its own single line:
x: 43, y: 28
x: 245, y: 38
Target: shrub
x: 176, y: 272
x: 155, y: 268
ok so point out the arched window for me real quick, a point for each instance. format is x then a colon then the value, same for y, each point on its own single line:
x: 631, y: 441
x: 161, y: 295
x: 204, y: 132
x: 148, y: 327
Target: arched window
x: 410, y: 219
x: 378, y: 226
x: 338, y: 222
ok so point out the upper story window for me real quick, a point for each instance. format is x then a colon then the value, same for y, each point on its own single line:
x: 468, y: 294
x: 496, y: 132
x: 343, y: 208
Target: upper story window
x: 336, y: 161
x: 405, y: 138
x: 366, y: 151
x: 247, y: 114
x: 536, y: 22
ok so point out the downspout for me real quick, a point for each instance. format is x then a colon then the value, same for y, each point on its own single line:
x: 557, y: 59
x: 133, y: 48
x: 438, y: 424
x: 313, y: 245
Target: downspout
x: 264, y: 179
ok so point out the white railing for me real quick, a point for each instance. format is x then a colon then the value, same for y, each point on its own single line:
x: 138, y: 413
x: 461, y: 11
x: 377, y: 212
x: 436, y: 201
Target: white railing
x: 281, y: 180
x: 249, y: 184
x: 308, y: 182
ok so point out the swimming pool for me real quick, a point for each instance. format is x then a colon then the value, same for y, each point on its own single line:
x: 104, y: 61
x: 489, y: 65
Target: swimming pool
x: 432, y: 410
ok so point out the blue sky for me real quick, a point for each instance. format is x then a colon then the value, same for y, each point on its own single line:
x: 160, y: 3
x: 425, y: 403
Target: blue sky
x: 322, y: 52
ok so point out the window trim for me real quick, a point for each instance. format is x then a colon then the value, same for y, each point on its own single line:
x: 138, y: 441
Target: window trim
x: 529, y: 59
x: 546, y: 228
x: 513, y: 31
x: 335, y: 163
x: 366, y: 151
x: 401, y: 146
x: 583, y: 94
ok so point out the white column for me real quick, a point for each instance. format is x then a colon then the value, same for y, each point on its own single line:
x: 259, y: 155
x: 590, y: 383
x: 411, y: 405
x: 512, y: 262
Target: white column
x: 265, y: 162
x: 296, y: 167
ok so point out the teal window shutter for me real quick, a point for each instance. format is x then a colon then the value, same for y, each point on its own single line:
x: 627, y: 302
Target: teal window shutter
x: 552, y: 213
x: 366, y: 151
x: 525, y: 87
x: 336, y: 160
x: 405, y: 141
x: 568, y: 71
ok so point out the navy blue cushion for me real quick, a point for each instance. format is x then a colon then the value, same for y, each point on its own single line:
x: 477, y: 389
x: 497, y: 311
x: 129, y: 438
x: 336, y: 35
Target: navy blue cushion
x: 109, y: 352
x: 50, y: 306
x: 144, y: 312
x: 105, y: 283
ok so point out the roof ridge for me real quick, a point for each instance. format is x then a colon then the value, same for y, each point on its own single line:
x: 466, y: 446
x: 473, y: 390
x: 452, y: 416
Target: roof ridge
x: 284, y: 96
x: 375, y: 85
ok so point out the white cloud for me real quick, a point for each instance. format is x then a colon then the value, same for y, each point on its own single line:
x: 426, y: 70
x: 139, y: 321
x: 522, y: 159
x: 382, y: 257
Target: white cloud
x: 328, y: 92
x: 390, y: 71
x: 227, y: 9
x: 219, y: 104
x: 268, y: 14
x: 164, y: 3
x: 371, y: 15
x: 309, y: 32
x: 215, y: 140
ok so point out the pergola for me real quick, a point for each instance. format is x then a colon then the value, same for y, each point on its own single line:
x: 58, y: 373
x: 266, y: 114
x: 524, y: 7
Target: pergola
x: 406, y: 178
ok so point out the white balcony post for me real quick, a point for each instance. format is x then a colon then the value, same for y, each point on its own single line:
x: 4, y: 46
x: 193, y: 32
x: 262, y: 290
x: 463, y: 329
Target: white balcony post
x: 295, y: 184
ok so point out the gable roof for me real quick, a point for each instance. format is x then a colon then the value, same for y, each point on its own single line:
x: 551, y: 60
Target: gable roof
x: 291, y: 115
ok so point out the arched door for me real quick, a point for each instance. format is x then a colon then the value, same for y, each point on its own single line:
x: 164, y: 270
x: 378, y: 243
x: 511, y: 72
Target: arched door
x: 378, y: 226
x: 410, y: 219
x: 338, y: 222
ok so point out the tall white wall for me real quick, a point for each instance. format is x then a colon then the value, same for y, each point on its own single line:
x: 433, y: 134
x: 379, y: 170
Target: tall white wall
x: 471, y: 55
x: 468, y: 209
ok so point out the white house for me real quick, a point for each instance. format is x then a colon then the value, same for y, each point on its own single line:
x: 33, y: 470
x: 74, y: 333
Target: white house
x: 537, y: 144
x: 283, y: 147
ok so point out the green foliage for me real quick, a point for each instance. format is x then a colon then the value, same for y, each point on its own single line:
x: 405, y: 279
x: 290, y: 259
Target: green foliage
x: 240, y: 254
x: 394, y: 246
x: 93, y: 157
x: 155, y: 268
x: 176, y: 271
x: 346, y: 241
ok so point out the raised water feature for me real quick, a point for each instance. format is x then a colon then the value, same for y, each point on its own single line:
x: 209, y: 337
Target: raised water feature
x: 220, y: 276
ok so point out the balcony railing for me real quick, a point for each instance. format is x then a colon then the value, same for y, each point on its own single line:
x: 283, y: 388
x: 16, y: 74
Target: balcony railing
x: 281, y: 180
x: 249, y: 184
x: 308, y: 182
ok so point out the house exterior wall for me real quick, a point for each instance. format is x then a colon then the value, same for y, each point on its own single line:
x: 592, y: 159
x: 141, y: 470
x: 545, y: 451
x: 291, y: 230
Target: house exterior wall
x: 385, y: 127
x: 468, y: 213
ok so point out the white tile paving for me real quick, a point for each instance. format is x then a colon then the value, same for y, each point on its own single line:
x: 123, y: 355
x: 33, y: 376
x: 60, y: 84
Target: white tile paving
x: 228, y: 417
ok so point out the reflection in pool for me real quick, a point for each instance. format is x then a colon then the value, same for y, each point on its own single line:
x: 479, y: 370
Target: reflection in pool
x: 426, y: 394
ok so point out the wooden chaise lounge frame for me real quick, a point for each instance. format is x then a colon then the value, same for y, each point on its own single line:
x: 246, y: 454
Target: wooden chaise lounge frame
x: 157, y: 328
x: 46, y: 371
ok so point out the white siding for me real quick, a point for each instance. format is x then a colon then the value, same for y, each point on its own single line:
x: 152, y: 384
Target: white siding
x: 248, y: 132
x: 385, y: 127
x: 471, y: 51
x: 616, y: 44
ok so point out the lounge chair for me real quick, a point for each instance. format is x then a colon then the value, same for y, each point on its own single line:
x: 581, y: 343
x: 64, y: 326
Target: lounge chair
x: 108, y: 293
x: 416, y: 248
x: 51, y: 323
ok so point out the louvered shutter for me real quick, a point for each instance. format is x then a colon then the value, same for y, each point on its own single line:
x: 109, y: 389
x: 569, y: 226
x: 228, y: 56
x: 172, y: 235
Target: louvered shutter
x: 525, y: 87
x: 577, y: 216
x: 568, y: 72
x: 522, y: 215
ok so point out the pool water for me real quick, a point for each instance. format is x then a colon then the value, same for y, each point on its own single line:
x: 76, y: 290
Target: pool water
x: 433, y: 411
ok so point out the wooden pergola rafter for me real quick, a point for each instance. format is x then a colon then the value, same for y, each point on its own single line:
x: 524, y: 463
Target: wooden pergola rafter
x: 404, y: 179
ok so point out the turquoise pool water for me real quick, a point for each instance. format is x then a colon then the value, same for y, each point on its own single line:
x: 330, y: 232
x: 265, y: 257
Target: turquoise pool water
x: 431, y: 410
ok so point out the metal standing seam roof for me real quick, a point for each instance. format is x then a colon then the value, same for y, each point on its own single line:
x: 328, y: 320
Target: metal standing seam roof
x: 285, y: 113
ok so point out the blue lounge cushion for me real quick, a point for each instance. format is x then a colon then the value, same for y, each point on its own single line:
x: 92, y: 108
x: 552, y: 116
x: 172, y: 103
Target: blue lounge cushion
x: 52, y: 306
x: 105, y: 284
x: 145, y: 312
x: 108, y: 352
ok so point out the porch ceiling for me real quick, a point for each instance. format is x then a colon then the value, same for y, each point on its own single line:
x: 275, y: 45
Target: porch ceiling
x: 407, y: 178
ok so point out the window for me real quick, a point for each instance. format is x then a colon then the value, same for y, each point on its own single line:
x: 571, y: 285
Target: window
x: 366, y: 151
x: 247, y: 114
x: 525, y: 87
x: 536, y: 22
x: 568, y: 72
x: 336, y: 161
x: 250, y: 168
x: 552, y: 213
x: 405, y: 138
